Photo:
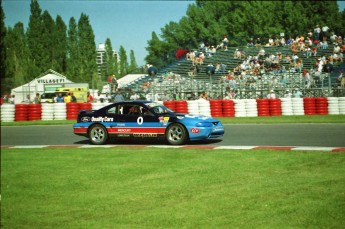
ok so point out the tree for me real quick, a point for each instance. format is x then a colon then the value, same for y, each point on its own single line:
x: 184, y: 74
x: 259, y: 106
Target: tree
x: 2, y: 50
x: 17, y: 54
x: 133, y: 64
x: 123, y: 61
x: 60, y: 47
x: 73, y: 61
x: 48, y: 41
x: 110, y: 59
x: 156, y: 52
x: 87, y: 50
x: 34, y: 32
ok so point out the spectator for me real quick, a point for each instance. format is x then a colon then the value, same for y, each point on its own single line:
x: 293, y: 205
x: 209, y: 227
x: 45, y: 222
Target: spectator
x: 119, y: 97
x: 308, y: 80
x: 27, y: 100
x: 73, y: 98
x: 151, y: 70
x: 287, y: 94
x: 237, y: 54
x: 314, y: 50
x: 89, y: 97
x: 213, y: 50
x: 297, y: 93
x: 336, y: 49
x: 67, y: 98
x: 325, y: 35
x: 250, y: 43
x: 225, y: 43
x: 204, y: 95
x: 11, y: 100
x: 324, y: 44
x: 59, y: 98
x: 307, y: 52
x: 98, y: 98
x: 210, y: 69
x: 135, y: 96
x: 271, y: 95
x: 317, y: 32
x: 201, y: 58
x: 108, y: 98
x: 258, y: 42
x: 333, y: 38
x: 37, y: 99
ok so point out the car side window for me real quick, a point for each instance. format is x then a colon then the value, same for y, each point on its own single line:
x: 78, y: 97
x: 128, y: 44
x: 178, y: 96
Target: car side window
x: 112, y: 110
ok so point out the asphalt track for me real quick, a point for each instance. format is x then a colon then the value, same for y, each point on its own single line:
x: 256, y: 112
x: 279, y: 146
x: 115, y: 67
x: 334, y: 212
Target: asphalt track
x: 239, y: 135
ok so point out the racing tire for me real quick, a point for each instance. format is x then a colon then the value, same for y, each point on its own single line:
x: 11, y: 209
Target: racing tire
x: 176, y: 134
x: 98, y: 135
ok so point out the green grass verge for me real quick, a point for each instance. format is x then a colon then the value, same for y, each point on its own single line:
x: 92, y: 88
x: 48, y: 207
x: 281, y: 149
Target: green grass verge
x: 230, y: 120
x: 185, y: 188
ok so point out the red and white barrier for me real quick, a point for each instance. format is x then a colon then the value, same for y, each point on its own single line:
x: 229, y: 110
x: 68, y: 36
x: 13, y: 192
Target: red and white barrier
x: 228, y: 108
x: 7, y: 112
x: 47, y: 111
x: 214, y: 108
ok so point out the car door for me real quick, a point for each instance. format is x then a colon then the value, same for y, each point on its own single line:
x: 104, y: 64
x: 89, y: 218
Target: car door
x: 130, y: 121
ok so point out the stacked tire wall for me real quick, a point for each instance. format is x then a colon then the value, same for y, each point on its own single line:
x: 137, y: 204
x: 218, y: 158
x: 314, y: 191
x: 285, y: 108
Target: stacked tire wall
x: 211, y: 108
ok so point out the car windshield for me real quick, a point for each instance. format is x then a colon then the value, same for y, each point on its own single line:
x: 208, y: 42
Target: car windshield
x: 158, y: 108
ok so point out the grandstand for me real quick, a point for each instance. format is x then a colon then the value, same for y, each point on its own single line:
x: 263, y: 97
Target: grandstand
x: 183, y: 84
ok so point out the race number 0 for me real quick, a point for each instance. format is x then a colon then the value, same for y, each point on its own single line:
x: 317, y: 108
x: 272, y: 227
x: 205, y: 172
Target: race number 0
x: 140, y: 120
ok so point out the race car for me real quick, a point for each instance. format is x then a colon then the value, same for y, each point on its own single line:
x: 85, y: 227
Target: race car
x: 144, y: 119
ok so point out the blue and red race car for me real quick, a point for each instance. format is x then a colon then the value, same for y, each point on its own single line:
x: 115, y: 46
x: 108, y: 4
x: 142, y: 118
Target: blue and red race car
x: 144, y: 119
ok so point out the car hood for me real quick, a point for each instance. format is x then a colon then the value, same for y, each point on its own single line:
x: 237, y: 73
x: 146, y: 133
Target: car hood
x: 191, y: 118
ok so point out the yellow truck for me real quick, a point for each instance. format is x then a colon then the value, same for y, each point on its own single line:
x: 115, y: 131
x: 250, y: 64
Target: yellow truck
x: 79, y: 92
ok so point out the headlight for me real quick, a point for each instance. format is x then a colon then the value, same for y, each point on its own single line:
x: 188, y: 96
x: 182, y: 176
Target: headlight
x: 204, y: 124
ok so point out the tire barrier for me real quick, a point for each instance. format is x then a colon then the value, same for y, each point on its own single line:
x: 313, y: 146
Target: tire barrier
x: 216, y: 108
x: 8, y: 112
x: 263, y: 107
x: 60, y: 111
x: 72, y: 111
x: 342, y: 105
x: 85, y: 106
x: 47, y: 111
x: 21, y: 112
x: 211, y: 108
x: 297, y: 106
x: 275, y: 107
x: 333, y: 105
x: 170, y: 105
x: 228, y: 108
x: 193, y: 107
x: 309, y: 106
x: 251, y: 108
x: 240, y: 108
x: 286, y: 106
x: 204, y: 107
x: 181, y: 106
x: 321, y: 106
x: 34, y: 112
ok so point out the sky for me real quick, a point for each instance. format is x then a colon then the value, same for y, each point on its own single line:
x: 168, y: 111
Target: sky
x: 128, y: 23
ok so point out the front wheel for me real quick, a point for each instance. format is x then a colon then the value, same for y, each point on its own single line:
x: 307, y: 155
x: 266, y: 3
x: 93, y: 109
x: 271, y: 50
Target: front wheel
x: 176, y: 134
x: 98, y: 134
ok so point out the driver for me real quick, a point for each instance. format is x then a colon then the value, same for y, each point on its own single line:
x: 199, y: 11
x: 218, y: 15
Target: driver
x: 134, y: 111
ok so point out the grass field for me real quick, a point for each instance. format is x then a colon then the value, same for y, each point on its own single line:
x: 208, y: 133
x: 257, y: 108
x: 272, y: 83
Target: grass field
x: 171, y: 188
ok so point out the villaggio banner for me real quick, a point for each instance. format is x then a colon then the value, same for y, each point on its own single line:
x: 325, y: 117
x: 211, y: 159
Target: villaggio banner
x: 53, y: 80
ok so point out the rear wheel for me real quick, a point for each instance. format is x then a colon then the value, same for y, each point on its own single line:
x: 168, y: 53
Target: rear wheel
x: 176, y: 134
x: 98, y: 134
